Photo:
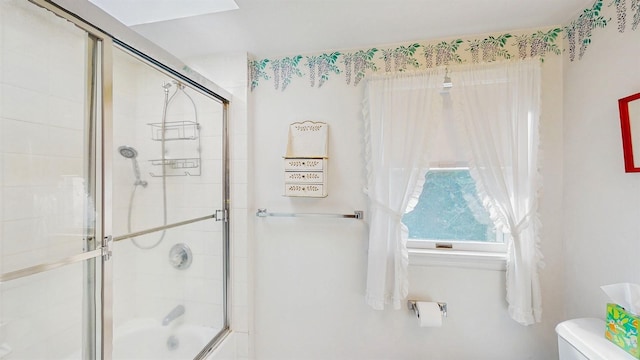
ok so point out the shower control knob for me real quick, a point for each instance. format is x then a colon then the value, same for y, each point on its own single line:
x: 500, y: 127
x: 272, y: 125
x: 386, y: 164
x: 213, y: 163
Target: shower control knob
x: 180, y: 256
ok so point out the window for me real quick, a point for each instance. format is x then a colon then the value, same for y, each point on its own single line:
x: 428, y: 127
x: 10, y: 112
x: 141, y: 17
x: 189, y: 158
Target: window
x: 450, y: 209
x: 450, y: 217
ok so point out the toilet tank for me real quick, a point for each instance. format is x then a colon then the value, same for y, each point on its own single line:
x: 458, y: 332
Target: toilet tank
x: 583, y: 339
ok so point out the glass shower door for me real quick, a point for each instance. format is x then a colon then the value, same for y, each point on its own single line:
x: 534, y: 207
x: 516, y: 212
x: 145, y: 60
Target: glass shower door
x: 48, y: 185
x: 169, y: 224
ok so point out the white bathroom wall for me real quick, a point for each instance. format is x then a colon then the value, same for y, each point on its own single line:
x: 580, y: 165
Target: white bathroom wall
x: 601, y: 201
x: 310, y: 274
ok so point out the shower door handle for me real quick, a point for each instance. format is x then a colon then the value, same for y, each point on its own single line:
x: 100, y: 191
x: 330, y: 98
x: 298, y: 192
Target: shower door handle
x: 106, y: 248
x: 221, y: 215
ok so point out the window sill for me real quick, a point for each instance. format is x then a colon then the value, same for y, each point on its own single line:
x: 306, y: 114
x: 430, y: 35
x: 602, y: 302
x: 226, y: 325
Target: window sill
x: 455, y: 258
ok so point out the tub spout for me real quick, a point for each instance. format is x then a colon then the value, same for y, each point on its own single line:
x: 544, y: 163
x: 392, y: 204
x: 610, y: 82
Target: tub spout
x: 173, y: 314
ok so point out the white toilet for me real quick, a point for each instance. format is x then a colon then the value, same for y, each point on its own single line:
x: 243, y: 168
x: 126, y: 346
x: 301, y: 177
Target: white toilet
x: 583, y: 339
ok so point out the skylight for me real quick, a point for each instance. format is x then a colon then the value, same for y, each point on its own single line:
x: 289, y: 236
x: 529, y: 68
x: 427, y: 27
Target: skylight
x: 147, y: 11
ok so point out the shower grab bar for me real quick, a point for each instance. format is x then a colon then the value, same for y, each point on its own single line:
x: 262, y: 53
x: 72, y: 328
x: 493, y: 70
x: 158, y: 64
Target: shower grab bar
x: 357, y: 214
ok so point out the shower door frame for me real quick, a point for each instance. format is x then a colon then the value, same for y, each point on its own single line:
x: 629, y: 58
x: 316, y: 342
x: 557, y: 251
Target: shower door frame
x: 101, y: 117
x: 98, y: 117
x: 100, y: 114
x: 222, y: 215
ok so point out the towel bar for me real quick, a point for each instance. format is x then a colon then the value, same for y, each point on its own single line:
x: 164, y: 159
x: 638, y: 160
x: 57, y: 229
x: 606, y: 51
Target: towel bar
x: 358, y: 214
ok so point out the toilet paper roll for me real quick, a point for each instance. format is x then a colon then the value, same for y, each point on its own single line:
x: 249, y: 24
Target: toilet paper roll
x: 429, y: 314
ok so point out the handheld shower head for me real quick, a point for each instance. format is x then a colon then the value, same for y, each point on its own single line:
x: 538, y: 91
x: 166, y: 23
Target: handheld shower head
x: 128, y: 152
x: 131, y: 153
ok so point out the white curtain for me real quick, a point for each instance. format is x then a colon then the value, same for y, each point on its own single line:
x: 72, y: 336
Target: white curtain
x: 500, y: 106
x: 398, y: 127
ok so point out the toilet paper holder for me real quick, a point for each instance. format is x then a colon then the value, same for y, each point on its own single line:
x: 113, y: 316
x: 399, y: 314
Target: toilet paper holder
x: 411, y: 304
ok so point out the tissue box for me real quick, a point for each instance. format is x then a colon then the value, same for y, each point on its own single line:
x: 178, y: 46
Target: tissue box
x: 622, y: 329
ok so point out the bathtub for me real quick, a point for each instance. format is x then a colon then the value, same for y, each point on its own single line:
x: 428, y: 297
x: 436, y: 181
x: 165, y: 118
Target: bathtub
x: 148, y: 339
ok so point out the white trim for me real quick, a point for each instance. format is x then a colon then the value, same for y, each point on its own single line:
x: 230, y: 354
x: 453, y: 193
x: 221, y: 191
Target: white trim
x: 460, y: 245
x: 484, y: 260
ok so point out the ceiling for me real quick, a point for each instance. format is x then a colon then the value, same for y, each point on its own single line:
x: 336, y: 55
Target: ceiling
x: 148, y: 11
x: 268, y: 28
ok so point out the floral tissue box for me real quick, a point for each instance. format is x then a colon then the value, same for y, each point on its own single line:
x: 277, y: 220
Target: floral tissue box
x: 622, y: 329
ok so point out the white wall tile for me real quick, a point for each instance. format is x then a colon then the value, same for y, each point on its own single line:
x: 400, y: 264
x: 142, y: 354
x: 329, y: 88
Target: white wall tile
x: 239, y: 171
x: 240, y: 222
x: 239, y: 196
x: 203, y: 290
x: 240, y: 270
x: 240, y: 293
x: 240, y: 318
x: 238, y: 112
x: 28, y: 72
x: 242, y: 345
x: 23, y: 104
x: 64, y: 343
x: 240, y: 244
x: 65, y: 113
x: 213, y: 244
x: 29, y: 138
x: 22, y: 235
x: 211, y: 146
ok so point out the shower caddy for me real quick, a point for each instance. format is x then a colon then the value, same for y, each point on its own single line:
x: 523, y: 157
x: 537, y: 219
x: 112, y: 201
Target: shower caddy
x: 177, y: 130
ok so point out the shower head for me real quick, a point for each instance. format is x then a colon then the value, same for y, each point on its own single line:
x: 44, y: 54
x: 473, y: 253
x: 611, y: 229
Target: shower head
x: 128, y: 152
x: 131, y: 153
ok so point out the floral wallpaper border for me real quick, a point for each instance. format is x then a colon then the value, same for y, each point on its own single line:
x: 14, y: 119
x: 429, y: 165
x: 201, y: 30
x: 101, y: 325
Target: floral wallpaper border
x: 353, y: 66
